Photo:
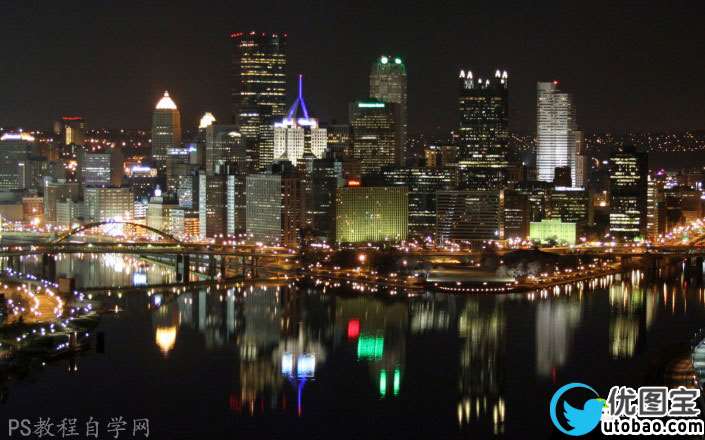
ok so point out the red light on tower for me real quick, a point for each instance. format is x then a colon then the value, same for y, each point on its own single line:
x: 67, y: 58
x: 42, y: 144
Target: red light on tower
x: 353, y: 328
x: 555, y: 82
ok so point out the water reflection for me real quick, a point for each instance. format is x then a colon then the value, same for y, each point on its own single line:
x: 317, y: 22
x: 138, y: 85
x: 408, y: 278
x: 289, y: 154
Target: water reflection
x: 462, y: 362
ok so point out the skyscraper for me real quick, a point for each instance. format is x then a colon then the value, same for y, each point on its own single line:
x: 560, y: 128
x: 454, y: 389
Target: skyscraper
x: 295, y: 137
x: 258, y: 89
x: 374, y: 130
x: 166, y: 129
x: 555, y: 132
x: 388, y: 84
x: 484, y: 116
x: 628, y: 187
x: 223, y: 144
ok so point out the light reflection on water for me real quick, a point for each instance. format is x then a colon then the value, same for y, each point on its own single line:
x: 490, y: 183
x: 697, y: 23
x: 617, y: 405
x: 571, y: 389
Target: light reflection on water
x: 341, y: 362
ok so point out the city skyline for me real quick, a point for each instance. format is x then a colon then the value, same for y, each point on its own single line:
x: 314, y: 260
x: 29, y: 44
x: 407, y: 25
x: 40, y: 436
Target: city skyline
x: 612, y: 83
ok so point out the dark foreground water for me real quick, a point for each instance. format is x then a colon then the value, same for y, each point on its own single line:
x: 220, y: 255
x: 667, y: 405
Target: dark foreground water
x: 279, y: 362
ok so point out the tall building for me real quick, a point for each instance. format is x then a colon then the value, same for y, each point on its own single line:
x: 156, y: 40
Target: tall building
x: 555, y: 132
x: 582, y: 161
x: 15, y: 152
x: 296, y: 137
x: 388, y: 84
x: 258, y: 89
x: 571, y: 205
x: 223, y: 144
x: 422, y: 184
x: 165, y: 214
x: 274, y: 208
x: 484, y: 117
x: 105, y: 204
x: 655, y: 209
x: 339, y: 140
x: 371, y: 214
x: 211, y: 205
x: 374, y: 128
x: 96, y: 169
x: 72, y: 130
x: 628, y: 189
x: 56, y: 192
x: 319, y: 181
x: 166, y: 129
x: 469, y: 215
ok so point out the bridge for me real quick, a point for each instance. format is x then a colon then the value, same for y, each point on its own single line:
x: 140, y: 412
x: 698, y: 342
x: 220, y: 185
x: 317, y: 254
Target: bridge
x: 214, y: 255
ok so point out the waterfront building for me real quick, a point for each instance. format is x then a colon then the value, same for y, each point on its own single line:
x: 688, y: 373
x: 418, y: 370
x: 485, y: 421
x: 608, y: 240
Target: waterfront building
x: 108, y: 203
x: 422, y: 184
x: 628, y: 190
x: 570, y: 205
x: 166, y: 129
x: 258, y: 90
x: 469, y: 215
x: 374, y: 128
x: 211, y: 205
x: 516, y: 211
x: 165, y: 214
x: 655, y: 209
x: 371, y: 214
x: 58, y: 191
x: 274, y: 205
x: 388, y: 84
x: 555, y: 132
x: 553, y: 230
x: 33, y: 210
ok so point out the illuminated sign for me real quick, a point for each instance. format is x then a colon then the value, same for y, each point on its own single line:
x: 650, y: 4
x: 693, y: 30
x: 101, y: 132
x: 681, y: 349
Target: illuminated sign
x: 353, y: 183
x: 370, y: 347
x: 370, y: 105
x: 287, y: 364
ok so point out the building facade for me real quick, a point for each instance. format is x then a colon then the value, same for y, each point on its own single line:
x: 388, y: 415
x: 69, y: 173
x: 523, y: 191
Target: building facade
x: 374, y: 129
x: 628, y: 191
x: 371, y: 214
x: 555, y: 132
x: 388, y: 84
x: 166, y: 129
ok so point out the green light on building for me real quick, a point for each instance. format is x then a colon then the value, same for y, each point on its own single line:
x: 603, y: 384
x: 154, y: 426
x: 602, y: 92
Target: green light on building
x: 553, y: 229
x: 397, y: 60
x: 383, y: 383
x: 370, y: 347
x: 370, y: 104
x: 372, y: 214
x: 396, y: 381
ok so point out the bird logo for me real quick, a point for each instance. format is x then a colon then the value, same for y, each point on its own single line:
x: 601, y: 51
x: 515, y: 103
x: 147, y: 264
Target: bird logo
x: 581, y: 421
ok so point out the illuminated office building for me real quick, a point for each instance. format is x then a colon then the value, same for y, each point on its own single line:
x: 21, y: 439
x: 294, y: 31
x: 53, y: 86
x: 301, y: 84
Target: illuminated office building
x: 553, y: 229
x: 96, y: 169
x: 211, y: 205
x: 58, y: 191
x: 570, y: 205
x: 371, y: 214
x: 165, y: 214
x: 15, y: 152
x: 388, y: 84
x: 582, y: 161
x: 274, y: 206
x: 295, y: 136
x: 655, y: 209
x: 166, y: 129
x: 628, y: 189
x: 374, y: 128
x: 72, y: 130
x: 516, y: 211
x: 555, y: 132
x: 484, y: 116
x: 422, y: 184
x: 223, y: 144
x: 339, y: 140
x: 104, y: 204
x: 469, y: 215
x: 258, y: 89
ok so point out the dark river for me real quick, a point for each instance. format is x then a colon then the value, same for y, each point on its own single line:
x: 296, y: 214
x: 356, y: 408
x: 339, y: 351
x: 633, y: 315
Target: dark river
x: 285, y: 362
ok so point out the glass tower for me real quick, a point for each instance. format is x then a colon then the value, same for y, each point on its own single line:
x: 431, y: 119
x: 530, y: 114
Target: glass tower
x: 166, y: 129
x: 555, y: 132
x: 388, y: 84
x: 484, y: 116
x: 258, y: 90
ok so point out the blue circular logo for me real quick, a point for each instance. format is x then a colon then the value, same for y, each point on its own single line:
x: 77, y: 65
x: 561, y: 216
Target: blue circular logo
x: 580, y: 421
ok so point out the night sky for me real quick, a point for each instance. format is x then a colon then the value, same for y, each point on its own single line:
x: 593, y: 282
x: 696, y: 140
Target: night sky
x: 630, y: 65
